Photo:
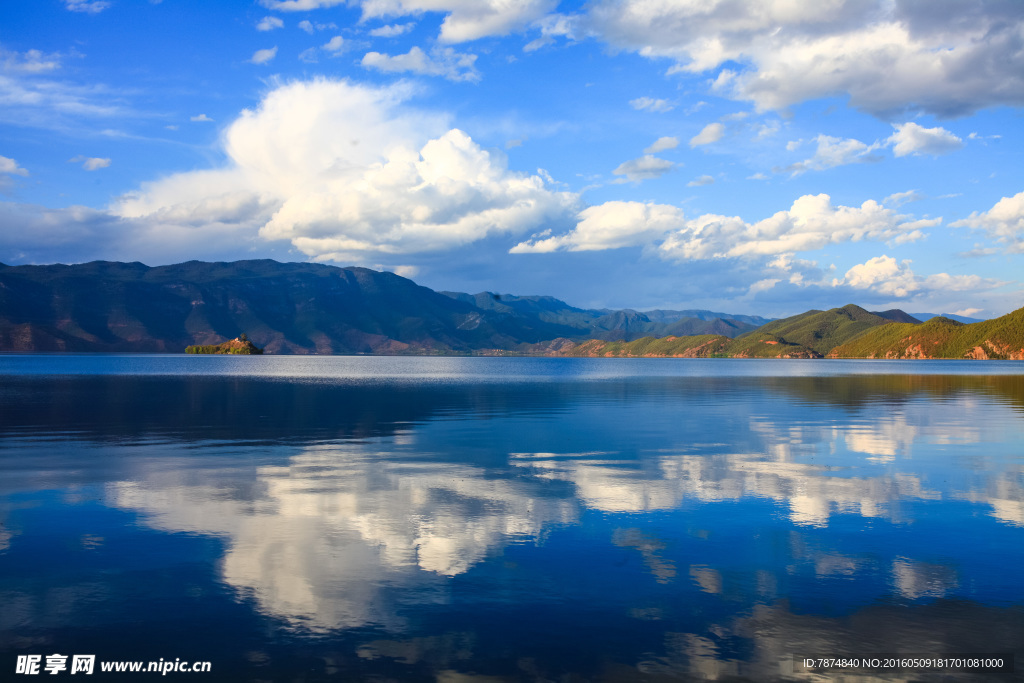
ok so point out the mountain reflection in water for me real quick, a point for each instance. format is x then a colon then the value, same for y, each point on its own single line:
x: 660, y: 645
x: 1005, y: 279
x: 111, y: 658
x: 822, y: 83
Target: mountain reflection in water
x: 632, y: 528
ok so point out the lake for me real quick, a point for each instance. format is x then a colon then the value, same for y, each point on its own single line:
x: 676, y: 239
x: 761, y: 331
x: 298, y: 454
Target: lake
x: 510, y: 519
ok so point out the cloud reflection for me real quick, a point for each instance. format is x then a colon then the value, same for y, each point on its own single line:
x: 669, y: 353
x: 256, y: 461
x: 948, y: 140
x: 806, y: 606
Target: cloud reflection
x: 323, y: 538
x: 319, y: 540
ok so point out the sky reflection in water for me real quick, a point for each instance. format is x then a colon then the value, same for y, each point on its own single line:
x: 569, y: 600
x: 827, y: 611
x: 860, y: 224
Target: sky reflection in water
x: 577, y: 520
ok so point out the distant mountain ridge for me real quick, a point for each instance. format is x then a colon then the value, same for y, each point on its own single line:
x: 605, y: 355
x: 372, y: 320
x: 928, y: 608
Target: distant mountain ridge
x: 614, y: 325
x: 313, y: 308
x: 925, y: 317
x: 287, y: 308
x: 283, y: 307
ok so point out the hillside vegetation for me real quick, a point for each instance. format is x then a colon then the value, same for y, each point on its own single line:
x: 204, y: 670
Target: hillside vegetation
x: 1000, y: 338
x: 235, y: 347
x: 808, y: 335
x: 822, y: 331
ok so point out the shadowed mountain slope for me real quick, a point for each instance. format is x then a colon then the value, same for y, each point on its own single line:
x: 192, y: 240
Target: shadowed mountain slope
x: 283, y: 307
x: 614, y: 325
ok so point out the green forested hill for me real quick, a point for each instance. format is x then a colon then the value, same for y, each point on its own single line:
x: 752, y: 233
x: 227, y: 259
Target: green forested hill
x: 809, y: 335
x: 822, y: 331
x: 941, y: 338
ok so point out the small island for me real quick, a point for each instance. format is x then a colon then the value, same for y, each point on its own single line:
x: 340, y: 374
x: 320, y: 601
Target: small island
x: 240, y: 345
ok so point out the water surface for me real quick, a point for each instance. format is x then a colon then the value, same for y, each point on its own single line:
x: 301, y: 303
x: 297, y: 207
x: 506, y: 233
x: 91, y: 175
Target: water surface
x: 373, y: 518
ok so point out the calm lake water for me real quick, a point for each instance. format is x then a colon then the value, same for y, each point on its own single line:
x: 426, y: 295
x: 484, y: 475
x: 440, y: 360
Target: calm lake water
x: 520, y: 519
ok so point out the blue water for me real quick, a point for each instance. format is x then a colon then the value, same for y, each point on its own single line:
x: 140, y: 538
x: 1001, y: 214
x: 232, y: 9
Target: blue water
x: 479, y: 519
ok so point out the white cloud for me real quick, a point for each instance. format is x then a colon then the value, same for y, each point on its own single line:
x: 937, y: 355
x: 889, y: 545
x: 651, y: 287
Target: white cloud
x: 553, y: 26
x: 347, y: 172
x: 832, y: 152
x: 30, y: 96
x: 445, y: 62
x: 651, y: 104
x: 466, y: 20
x: 30, y: 61
x: 264, y: 56
x: 609, y: 226
x: 662, y: 144
x: 307, y: 26
x: 885, y: 56
x: 299, y: 5
x: 811, y: 223
x: 1004, y: 222
x: 644, y: 168
x: 334, y: 45
x: 392, y: 30
x: 712, y: 132
x: 701, y: 180
x: 884, y: 275
x: 90, y: 163
x: 87, y: 6
x: 269, y: 24
x: 901, y: 198
x: 10, y: 167
x: 911, y: 138
x: 201, y: 118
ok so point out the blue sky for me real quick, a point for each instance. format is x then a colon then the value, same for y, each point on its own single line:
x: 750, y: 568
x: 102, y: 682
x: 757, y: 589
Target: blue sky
x: 750, y: 156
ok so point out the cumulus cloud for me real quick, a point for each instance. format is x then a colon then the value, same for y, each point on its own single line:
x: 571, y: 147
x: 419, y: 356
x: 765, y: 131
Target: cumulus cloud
x: 444, y: 62
x: 90, y: 163
x: 334, y: 45
x: 712, y: 132
x: 885, y: 56
x: 87, y: 6
x: 701, y: 180
x: 884, y: 275
x: 832, y: 152
x: 651, y: 104
x: 610, y: 225
x: 911, y: 138
x: 644, y: 168
x: 10, y: 167
x: 662, y: 144
x: 201, y: 118
x: 1004, y: 222
x: 346, y: 172
x: 264, y: 56
x: 269, y: 24
x: 466, y: 20
x: 811, y: 223
x: 391, y: 30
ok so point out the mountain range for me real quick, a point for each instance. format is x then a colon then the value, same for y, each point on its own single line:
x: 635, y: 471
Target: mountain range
x: 302, y: 308
x: 847, y: 332
x: 296, y: 308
